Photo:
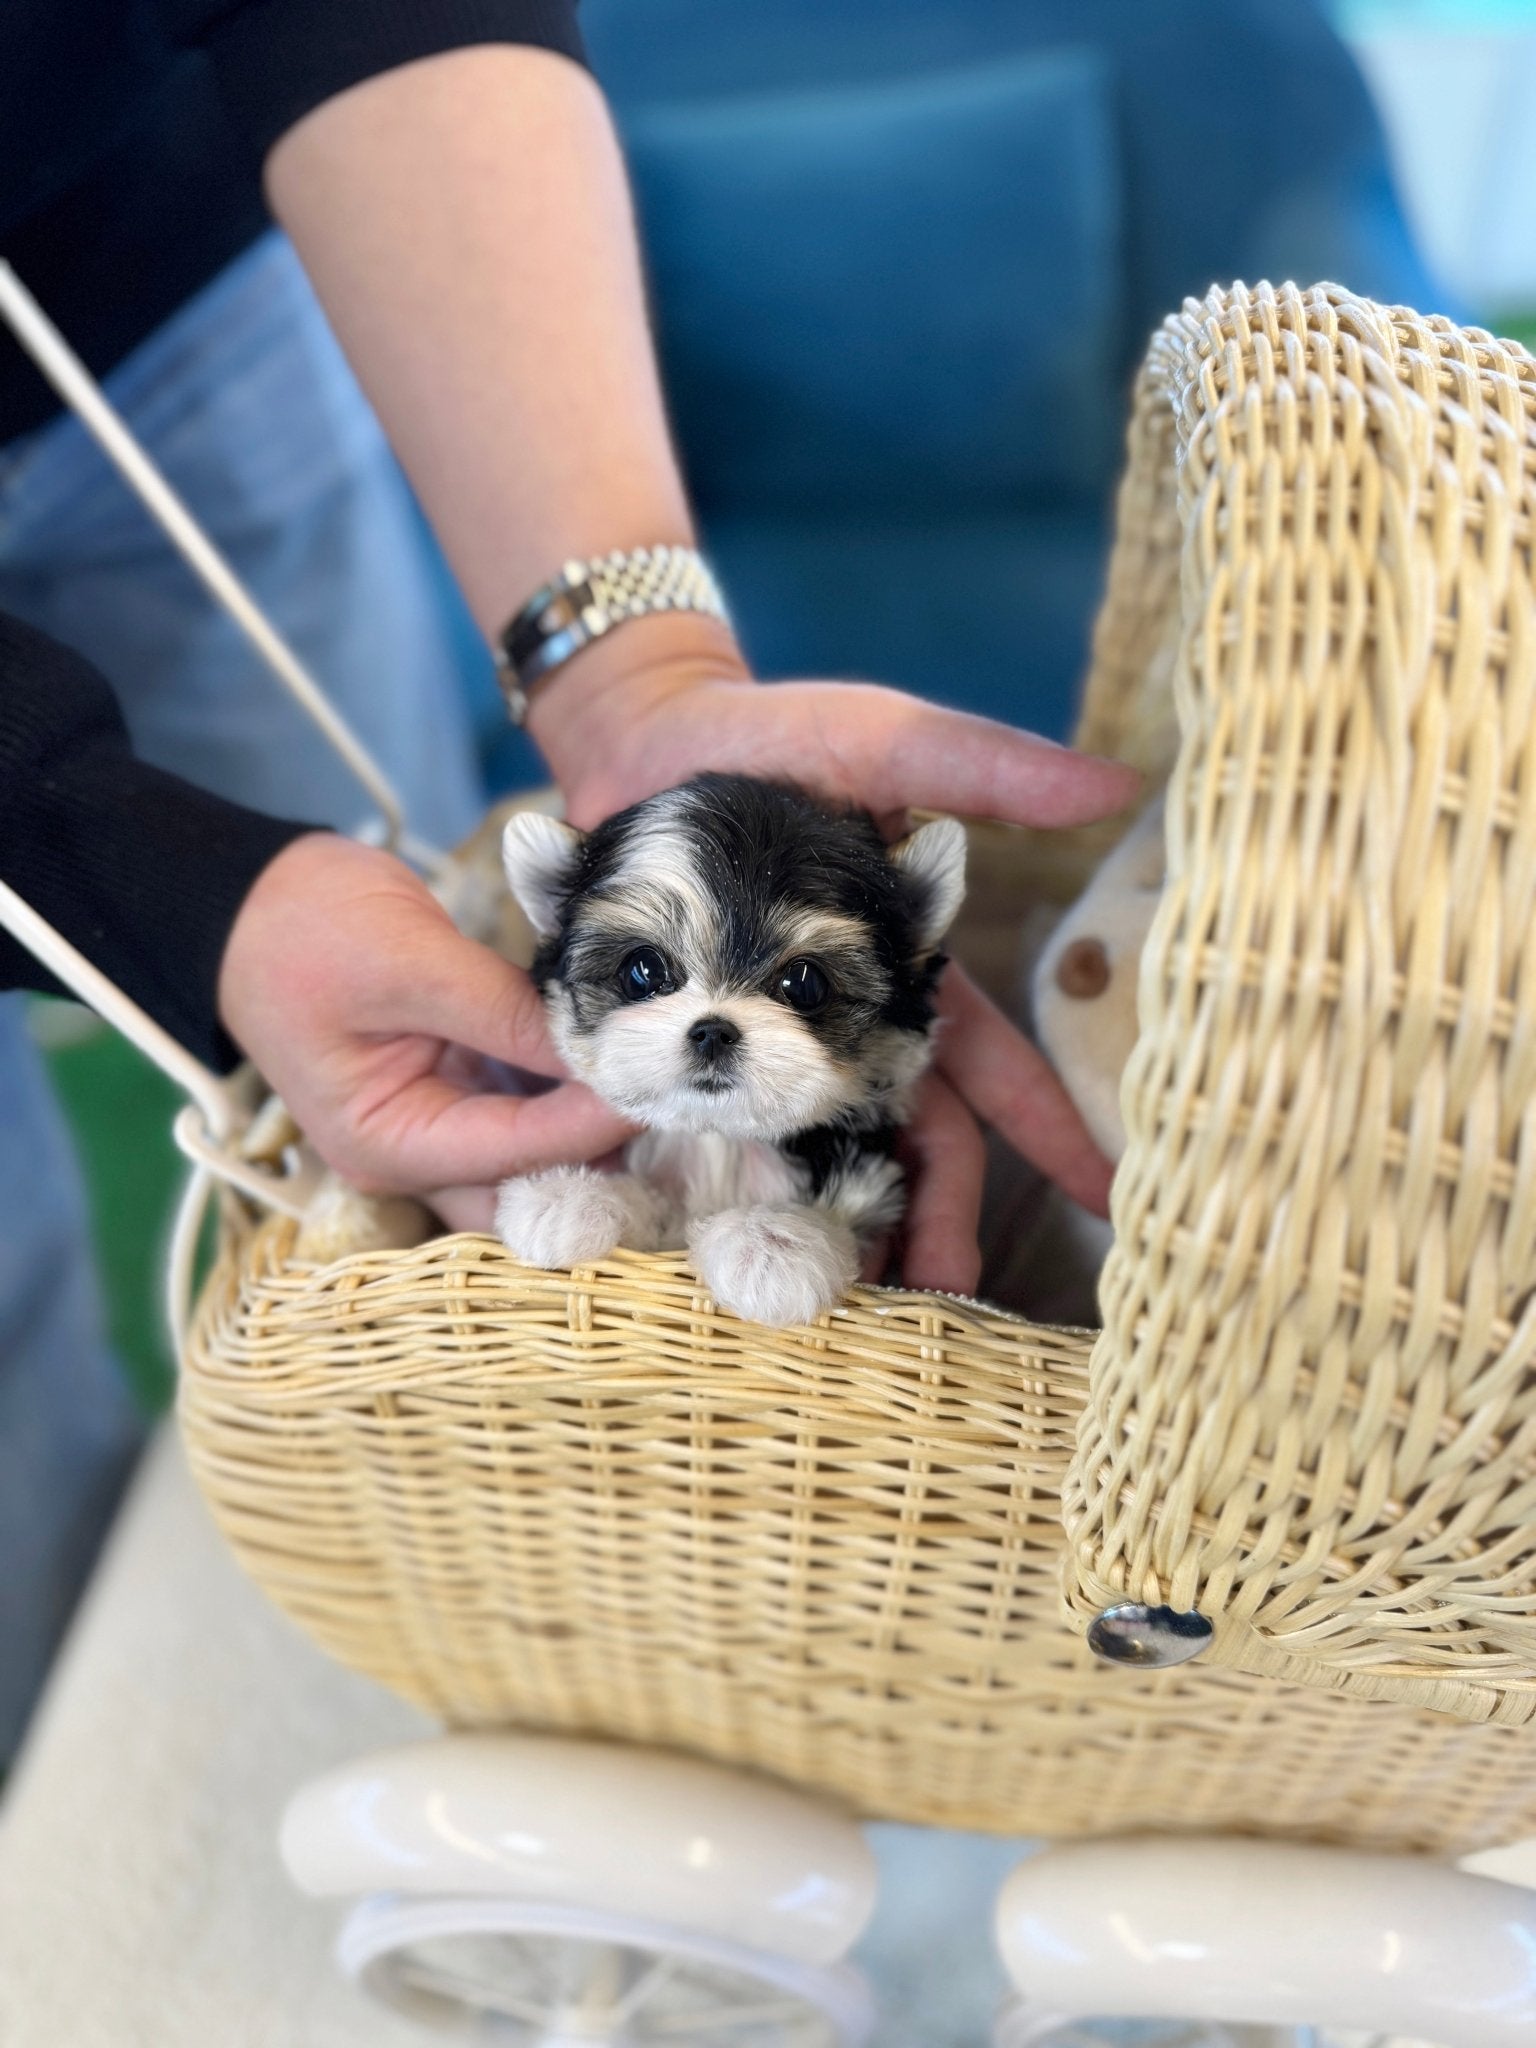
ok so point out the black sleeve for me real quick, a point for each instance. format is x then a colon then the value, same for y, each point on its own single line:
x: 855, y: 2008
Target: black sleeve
x: 139, y: 870
x: 276, y: 59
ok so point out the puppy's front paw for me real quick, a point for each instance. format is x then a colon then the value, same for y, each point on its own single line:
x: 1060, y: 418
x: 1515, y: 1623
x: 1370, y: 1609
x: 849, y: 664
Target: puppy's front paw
x: 565, y: 1216
x: 776, y: 1266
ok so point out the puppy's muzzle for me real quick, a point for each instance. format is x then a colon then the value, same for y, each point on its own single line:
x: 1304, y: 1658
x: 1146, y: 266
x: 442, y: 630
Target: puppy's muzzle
x: 713, y: 1040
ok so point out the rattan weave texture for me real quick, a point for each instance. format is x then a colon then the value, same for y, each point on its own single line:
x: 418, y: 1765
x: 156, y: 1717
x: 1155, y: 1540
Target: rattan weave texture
x: 1313, y: 1411
x: 594, y: 1502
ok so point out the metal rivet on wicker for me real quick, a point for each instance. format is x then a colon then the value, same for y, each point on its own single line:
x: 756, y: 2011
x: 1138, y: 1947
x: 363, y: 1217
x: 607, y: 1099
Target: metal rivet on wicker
x: 1152, y: 1638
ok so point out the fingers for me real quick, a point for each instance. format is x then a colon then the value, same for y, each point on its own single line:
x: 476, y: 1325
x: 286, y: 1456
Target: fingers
x: 874, y: 1259
x: 1010, y: 1086
x: 433, y: 1134
x: 468, y: 995
x: 944, y: 1203
x: 932, y: 759
x: 464, y: 1208
x: 856, y: 741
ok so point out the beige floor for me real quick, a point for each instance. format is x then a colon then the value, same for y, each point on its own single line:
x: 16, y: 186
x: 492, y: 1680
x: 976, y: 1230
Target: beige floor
x: 141, y: 1900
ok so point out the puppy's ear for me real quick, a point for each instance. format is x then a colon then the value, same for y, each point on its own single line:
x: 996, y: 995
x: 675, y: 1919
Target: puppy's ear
x: 932, y: 861
x: 539, y: 854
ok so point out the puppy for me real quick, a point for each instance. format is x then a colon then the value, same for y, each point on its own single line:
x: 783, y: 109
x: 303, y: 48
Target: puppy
x: 748, y: 973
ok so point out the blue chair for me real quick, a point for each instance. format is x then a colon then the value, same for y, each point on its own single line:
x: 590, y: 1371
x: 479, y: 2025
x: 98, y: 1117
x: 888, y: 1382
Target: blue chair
x: 905, y: 256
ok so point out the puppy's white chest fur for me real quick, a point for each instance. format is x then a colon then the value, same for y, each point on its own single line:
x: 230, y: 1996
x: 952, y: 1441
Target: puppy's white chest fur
x: 699, y: 1173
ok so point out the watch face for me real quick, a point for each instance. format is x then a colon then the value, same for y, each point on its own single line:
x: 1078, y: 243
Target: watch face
x: 566, y: 607
x: 552, y: 619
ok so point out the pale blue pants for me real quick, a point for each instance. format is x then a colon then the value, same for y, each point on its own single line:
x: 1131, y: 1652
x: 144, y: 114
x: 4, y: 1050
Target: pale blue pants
x: 244, y: 400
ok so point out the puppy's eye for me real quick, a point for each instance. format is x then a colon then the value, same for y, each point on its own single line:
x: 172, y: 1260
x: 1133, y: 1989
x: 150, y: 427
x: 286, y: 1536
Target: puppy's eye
x: 645, y: 973
x: 803, y: 986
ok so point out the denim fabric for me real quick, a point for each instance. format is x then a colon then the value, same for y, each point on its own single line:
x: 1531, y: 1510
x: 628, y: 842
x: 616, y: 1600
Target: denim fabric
x: 246, y: 403
x: 68, y: 1431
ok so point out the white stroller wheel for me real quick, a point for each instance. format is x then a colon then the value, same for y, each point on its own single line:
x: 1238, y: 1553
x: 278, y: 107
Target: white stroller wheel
x: 595, y: 1827
x: 545, y: 1891
x: 525, y: 1975
x: 1187, y: 1942
x: 1022, y: 2026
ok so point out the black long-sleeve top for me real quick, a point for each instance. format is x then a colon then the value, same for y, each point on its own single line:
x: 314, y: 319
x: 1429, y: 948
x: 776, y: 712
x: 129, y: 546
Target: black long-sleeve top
x: 132, y: 135
x: 139, y: 870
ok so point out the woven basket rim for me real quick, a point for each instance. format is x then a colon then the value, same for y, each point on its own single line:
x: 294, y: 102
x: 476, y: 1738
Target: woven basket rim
x: 255, y: 1258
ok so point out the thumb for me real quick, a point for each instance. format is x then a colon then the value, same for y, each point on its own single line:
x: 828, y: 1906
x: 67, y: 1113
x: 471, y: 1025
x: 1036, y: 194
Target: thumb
x: 935, y: 759
x: 466, y: 994
x: 436, y: 1134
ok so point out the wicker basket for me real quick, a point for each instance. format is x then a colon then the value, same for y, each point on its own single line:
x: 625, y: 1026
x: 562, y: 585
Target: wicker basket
x: 595, y: 1502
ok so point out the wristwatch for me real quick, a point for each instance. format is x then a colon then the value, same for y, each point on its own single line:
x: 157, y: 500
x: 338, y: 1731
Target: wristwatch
x: 588, y: 599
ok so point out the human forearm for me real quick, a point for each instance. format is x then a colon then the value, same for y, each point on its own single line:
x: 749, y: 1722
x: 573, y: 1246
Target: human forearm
x: 466, y: 220
x: 330, y: 964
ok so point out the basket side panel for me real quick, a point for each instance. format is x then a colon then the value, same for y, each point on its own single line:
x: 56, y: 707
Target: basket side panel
x: 1313, y: 1410
x: 591, y: 1503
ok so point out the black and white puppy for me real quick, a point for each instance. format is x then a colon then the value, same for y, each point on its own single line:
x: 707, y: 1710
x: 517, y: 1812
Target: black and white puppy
x: 748, y: 973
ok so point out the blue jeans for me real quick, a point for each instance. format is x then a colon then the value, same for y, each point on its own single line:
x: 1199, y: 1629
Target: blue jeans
x: 246, y: 403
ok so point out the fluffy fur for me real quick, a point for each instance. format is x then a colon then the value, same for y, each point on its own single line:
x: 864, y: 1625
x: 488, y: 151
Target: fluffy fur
x: 749, y: 974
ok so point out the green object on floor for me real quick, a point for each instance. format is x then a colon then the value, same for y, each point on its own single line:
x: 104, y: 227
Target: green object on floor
x: 121, y: 1109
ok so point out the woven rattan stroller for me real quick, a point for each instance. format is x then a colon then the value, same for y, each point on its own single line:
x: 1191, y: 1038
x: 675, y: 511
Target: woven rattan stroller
x: 1290, y: 1488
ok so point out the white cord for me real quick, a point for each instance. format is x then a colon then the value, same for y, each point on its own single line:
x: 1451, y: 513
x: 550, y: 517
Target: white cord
x: 190, y: 1211
x: 219, y: 1103
x: 290, y: 1192
x: 75, y: 385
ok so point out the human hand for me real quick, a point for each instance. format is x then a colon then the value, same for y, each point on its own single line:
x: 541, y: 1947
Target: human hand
x: 671, y: 695
x: 347, y: 983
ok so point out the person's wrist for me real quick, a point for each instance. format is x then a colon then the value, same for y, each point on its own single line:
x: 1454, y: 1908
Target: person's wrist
x: 587, y: 703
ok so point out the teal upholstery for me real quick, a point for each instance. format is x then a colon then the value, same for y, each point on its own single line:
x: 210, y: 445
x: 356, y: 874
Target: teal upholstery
x: 897, y: 293
x: 906, y: 255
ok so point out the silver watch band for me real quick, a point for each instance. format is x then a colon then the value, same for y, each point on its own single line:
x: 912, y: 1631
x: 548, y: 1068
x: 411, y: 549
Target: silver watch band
x: 588, y: 599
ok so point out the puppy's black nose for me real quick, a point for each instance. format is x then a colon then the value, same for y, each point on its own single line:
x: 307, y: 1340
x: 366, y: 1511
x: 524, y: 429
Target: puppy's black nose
x: 712, y: 1036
